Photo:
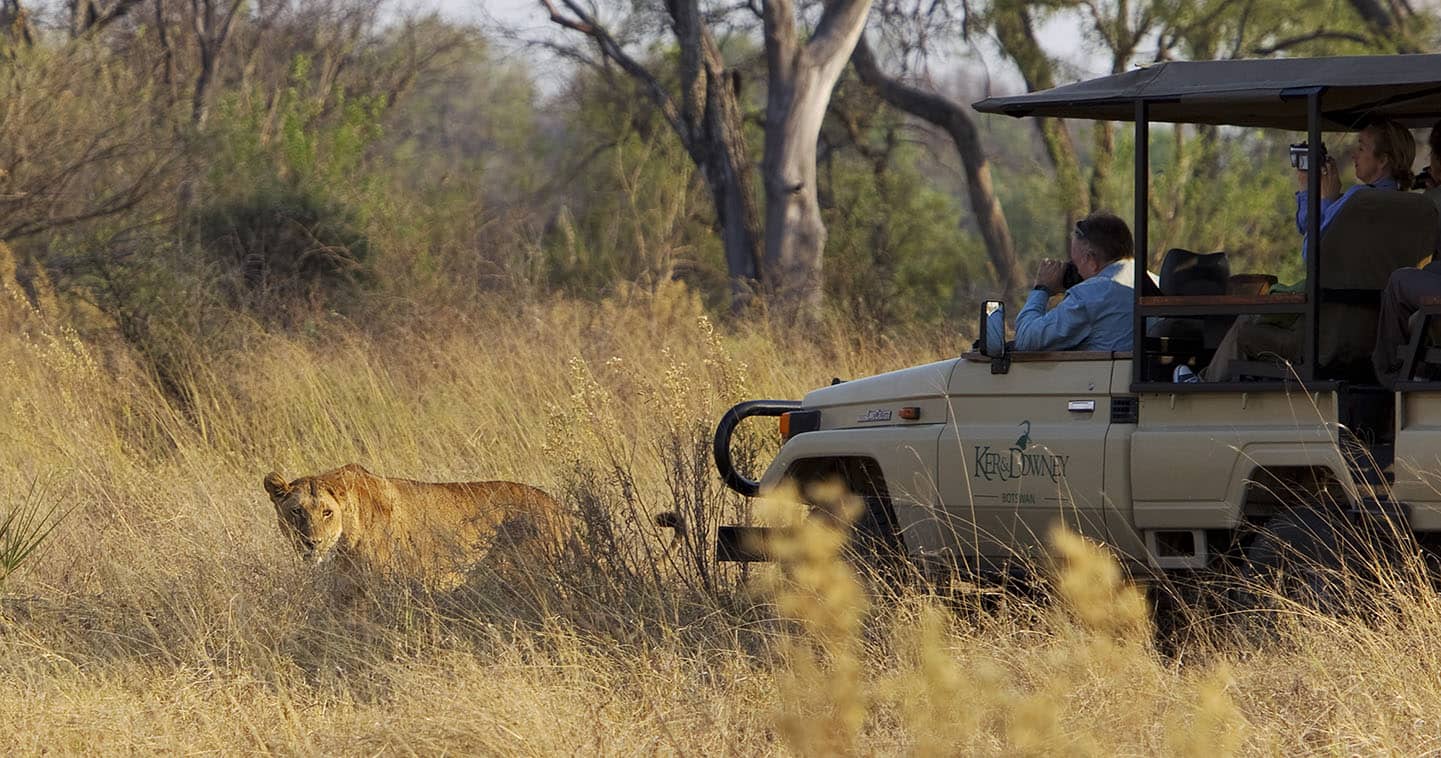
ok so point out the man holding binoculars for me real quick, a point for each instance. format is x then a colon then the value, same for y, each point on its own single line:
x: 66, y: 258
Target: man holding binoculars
x: 1096, y: 312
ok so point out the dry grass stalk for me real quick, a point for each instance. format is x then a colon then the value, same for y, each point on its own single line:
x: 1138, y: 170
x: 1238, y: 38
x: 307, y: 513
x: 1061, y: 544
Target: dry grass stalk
x: 166, y: 614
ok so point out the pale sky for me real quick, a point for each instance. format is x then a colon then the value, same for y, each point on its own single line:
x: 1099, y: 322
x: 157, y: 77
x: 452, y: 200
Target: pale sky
x: 1057, y: 35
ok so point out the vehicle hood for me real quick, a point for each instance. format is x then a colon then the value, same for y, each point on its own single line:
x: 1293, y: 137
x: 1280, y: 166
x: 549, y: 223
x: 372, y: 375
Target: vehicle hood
x: 928, y: 381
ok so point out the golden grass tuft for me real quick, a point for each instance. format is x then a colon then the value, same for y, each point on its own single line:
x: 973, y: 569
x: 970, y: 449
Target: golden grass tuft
x: 1093, y: 588
x: 821, y: 686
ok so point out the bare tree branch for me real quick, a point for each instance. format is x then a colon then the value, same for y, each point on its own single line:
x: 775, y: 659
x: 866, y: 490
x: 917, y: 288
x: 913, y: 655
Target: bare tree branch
x: 836, y: 34
x: 1384, y: 24
x: 1290, y: 42
x: 106, y: 16
x: 952, y: 117
x: 582, y: 22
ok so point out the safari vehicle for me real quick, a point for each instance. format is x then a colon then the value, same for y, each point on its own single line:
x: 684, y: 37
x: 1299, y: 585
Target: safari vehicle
x: 969, y: 461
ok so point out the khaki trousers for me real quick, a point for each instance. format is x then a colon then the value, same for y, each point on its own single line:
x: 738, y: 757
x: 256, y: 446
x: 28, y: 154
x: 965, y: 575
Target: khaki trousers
x: 1253, y: 337
x: 1399, y: 301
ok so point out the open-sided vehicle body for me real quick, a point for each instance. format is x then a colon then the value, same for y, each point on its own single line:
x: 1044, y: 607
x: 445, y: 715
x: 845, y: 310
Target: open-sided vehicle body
x: 970, y: 461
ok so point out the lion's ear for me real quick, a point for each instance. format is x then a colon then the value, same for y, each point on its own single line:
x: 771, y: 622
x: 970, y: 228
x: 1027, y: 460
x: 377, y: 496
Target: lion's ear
x: 276, y: 485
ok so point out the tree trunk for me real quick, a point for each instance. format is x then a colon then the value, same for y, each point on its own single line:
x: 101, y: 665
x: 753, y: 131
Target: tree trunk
x: 1102, y: 153
x: 801, y: 78
x: 728, y: 172
x: 15, y: 21
x: 707, y: 121
x: 199, y: 98
x: 1018, y: 39
x: 716, y: 142
x: 210, y: 36
x: 795, y: 234
x: 167, y: 57
x: 951, y: 116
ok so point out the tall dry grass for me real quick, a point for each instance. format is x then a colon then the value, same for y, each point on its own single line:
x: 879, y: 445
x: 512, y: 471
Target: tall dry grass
x: 167, y: 614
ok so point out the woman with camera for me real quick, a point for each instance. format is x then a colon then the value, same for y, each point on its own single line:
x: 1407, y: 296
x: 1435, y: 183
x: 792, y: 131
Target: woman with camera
x: 1408, y: 286
x: 1430, y: 178
x: 1382, y: 159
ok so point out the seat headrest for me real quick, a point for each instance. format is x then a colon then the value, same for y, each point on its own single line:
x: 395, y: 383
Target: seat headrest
x: 1186, y: 273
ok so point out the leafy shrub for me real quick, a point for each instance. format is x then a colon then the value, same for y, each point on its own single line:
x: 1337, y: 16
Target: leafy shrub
x: 283, y: 206
x: 288, y: 245
x: 896, y: 253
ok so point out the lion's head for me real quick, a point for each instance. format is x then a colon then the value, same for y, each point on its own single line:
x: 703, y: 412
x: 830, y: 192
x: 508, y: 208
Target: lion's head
x: 309, y: 513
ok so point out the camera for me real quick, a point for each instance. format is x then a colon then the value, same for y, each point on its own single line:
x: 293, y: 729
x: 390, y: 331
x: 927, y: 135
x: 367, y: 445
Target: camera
x: 1301, y: 153
x: 1071, y: 277
x: 1423, y: 180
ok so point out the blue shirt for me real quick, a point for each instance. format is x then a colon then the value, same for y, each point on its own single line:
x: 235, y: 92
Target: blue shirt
x: 1095, y: 314
x: 1329, y: 208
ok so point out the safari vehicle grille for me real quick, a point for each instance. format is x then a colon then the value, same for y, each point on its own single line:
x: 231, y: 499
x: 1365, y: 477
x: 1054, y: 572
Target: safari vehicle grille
x: 1125, y: 409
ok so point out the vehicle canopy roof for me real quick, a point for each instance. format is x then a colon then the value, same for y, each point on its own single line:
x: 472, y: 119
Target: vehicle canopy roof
x: 1267, y: 93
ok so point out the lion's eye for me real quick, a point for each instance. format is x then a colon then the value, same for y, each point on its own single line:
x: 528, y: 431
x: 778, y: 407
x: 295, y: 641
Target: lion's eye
x: 296, y: 511
x: 328, y: 513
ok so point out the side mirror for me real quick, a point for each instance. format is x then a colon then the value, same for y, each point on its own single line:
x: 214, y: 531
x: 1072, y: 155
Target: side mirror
x: 993, y: 328
x: 993, y: 336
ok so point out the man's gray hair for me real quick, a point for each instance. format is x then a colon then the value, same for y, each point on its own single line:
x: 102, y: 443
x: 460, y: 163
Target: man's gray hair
x: 1106, y: 236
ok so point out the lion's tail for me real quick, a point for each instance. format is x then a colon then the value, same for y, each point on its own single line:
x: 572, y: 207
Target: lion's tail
x: 672, y: 520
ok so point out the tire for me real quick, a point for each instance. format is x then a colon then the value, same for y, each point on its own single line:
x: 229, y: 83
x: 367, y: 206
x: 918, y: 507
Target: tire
x: 873, y: 540
x: 874, y: 547
x: 1298, y: 556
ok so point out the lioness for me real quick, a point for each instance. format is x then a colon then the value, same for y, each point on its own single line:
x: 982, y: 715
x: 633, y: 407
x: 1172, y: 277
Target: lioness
x: 368, y: 524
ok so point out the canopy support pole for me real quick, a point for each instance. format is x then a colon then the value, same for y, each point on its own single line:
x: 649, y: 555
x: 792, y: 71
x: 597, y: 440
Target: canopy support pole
x: 1138, y: 223
x: 1313, y: 235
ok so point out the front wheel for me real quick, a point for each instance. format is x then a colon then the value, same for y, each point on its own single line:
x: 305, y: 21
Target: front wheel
x: 873, y: 547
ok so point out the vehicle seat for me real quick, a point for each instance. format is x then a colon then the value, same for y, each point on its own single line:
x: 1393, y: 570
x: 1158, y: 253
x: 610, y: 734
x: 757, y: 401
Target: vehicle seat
x: 1374, y: 233
x: 1421, y: 356
x: 1186, y: 273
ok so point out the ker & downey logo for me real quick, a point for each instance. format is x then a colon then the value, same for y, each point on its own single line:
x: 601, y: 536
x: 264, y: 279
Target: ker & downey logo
x: 1016, y: 463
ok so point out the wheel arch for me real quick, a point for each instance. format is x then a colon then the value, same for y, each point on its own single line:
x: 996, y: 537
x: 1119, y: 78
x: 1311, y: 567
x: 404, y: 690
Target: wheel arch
x: 862, y: 475
x: 1264, y: 487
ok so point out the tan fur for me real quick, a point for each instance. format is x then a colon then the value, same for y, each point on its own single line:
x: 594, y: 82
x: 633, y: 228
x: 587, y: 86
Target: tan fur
x: 366, y: 525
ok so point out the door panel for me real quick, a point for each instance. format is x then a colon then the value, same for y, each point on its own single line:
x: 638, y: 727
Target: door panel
x: 1025, y: 450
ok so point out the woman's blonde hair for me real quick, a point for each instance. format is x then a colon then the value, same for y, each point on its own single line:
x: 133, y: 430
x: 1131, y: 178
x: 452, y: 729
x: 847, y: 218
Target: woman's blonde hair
x: 1394, y: 143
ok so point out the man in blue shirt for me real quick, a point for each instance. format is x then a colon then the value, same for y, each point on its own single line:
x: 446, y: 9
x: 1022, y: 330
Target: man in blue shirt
x: 1096, y: 314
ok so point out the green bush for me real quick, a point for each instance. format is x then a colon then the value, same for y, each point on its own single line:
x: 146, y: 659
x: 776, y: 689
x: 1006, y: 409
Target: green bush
x: 287, y: 245
x: 283, y: 215
x: 896, y: 252
x: 636, y: 210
